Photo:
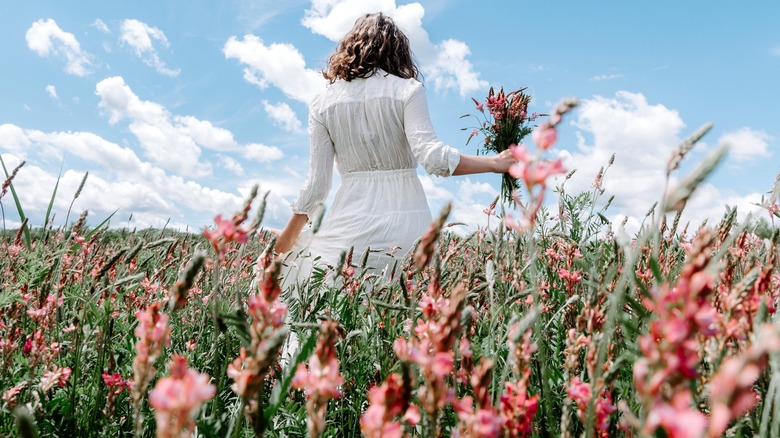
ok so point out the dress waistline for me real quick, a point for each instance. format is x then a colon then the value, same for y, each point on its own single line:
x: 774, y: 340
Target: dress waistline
x: 380, y: 174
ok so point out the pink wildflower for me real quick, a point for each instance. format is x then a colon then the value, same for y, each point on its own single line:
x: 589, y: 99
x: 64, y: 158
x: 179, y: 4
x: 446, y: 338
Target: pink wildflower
x: 10, y: 396
x: 116, y: 384
x: 678, y: 419
x: 55, y: 377
x: 321, y: 381
x: 226, y: 231
x: 153, y: 333
x: 518, y: 409
x: 387, y: 402
x: 580, y: 393
x: 177, y: 398
x: 545, y: 136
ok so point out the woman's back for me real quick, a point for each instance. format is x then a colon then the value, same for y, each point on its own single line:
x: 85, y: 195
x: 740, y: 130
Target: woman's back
x: 379, y: 123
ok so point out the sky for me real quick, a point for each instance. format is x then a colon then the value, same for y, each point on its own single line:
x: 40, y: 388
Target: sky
x: 176, y: 109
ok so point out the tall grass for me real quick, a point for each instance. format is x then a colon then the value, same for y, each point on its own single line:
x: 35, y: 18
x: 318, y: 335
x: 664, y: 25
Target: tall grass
x: 571, y: 329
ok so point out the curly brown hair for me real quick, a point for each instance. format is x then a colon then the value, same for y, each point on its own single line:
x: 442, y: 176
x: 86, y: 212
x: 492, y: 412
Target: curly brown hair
x: 375, y: 42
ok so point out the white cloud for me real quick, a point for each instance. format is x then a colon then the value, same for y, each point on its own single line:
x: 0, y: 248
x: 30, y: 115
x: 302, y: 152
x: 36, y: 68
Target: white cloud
x: 118, y: 179
x: 473, y: 198
x: 433, y: 190
x: 262, y: 153
x: 141, y: 38
x: 746, y: 144
x: 280, y: 65
x: 206, y: 134
x: 444, y: 63
x: 14, y: 140
x: 643, y: 136
x: 172, y: 142
x: 163, y: 143
x: 230, y: 164
x: 452, y: 70
x: 101, y: 26
x: 46, y: 38
x: 282, y: 115
x: 52, y: 91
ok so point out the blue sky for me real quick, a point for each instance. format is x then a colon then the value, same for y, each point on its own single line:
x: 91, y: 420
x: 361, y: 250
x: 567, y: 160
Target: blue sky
x: 177, y: 108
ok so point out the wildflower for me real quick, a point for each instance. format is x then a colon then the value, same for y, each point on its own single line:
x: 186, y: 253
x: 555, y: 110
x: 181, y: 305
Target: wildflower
x: 481, y: 420
x: 536, y: 173
x: 9, y: 396
x: 545, y: 136
x: 480, y: 107
x: 152, y: 333
x: 321, y: 380
x: 731, y: 389
x: 424, y: 251
x: 599, y: 180
x: 177, y: 398
x: 387, y: 402
x: 186, y: 280
x: 225, y: 231
x: 116, y: 385
x: 677, y: 418
x: 520, y: 153
x: 570, y: 276
x: 516, y: 408
x: 55, y: 377
x: 580, y: 393
x: 267, y: 335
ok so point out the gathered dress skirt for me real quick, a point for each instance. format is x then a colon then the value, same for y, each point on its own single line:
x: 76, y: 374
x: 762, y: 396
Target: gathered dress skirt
x: 381, y: 211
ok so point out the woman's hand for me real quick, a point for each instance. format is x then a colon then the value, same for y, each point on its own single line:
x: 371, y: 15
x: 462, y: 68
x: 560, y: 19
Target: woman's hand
x: 503, y: 161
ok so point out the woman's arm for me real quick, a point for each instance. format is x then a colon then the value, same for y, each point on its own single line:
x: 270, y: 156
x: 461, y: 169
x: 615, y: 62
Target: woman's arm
x: 436, y: 157
x: 290, y: 234
x: 471, y: 164
x: 317, y: 185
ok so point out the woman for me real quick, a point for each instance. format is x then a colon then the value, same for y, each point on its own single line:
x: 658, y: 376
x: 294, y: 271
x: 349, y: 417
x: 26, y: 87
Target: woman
x: 373, y: 121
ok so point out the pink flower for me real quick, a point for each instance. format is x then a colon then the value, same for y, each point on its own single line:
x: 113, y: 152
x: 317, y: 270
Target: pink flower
x: 517, y: 410
x: 678, y: 419
x: 321, y: 381
x: 536, y: 173
x: 115, y: 380
x: 56, y: 376
x: 520, y: 153
x: 10, y: 395
x: 570, y: 276
x: 386, y: 402
x: 227, y: 230
x: 176, y: 399
x: 153, y: 333
x: 480, y: 107
x: 545, y: 136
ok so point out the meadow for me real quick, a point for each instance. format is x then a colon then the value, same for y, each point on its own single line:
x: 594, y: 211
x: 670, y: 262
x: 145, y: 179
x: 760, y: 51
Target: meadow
x: 553, y: 323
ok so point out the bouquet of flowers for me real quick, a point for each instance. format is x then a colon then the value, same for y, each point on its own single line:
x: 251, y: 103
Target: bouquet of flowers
x: 505, y: 123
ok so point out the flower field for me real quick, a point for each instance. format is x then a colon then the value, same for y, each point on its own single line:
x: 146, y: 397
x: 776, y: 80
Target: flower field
x: 550, y: 324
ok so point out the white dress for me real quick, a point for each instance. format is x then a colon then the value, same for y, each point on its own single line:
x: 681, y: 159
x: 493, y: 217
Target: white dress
x: 376, y: 130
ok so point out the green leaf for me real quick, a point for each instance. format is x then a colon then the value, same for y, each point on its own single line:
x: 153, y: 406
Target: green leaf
x: 10, y: 297
x: 22, y: 217
x: 100, y: 225
x: 238, y: 321
x: 53, y: 196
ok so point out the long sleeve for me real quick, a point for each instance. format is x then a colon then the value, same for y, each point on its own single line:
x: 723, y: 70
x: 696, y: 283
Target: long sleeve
x: 436, y: 157
x: 317, y: 185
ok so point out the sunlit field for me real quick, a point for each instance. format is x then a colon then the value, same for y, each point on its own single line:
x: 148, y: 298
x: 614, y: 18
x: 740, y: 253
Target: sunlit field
x: 551, y: 322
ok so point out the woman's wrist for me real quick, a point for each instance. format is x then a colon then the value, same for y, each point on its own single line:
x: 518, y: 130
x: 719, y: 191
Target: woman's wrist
x: 495, y: 164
